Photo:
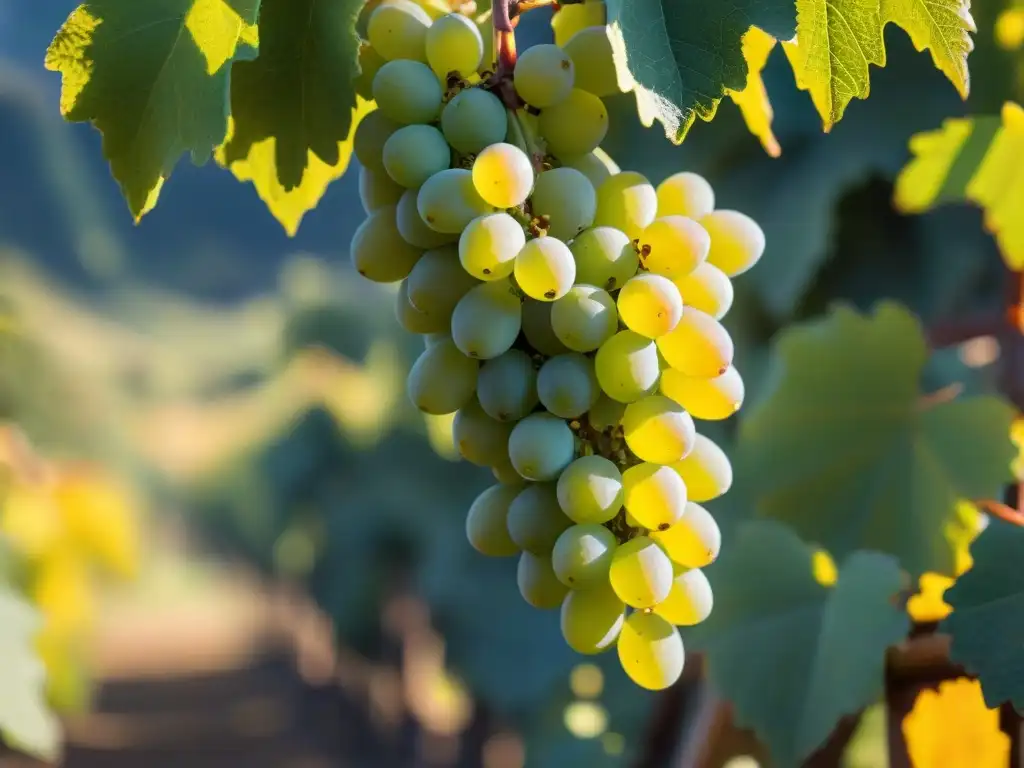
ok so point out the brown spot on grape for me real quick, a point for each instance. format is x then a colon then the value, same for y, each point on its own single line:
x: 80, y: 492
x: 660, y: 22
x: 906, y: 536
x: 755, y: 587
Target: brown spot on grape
x: 566, y: 64
x: 645, y: 251
x: 487, y: 271
x: 663, y: 527
x: 722, y: 370
x: 549, y: 294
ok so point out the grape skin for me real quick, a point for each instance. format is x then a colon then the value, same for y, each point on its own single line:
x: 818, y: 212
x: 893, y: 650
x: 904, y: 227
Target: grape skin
x: 584, y: 318
x: 596, y: 166
x: 605, y: 257
x: 690, y: 600
x: 658, y: 430
x: 591, y: 52
x: 414, y: 153
x: 654, y: 495
x: 368, y: 141
x: 413, y: 229
x: 576, y: 125
x: 411, y: 318
x: 537, y: 582
x: 592, y: 619
x: 737, y: 241
x: 627, y: 366
x: 567, y: 386
x: 707, y: 399
x: 606, y: 413
x: 448, y: 201
x: 651, y: 651
x: 480, y: 439
x: 438, y: 281
x: 541, y: 446
x: 567, y: 198
x: 641, y: 573
x: 377, y: 189
x: 503, y: 175
x: 685, y: 194
x: 407, y: 92
x: 487, y: 320
x: 442, y: 379
x: 485, y: 524
x: 538, y: 330
x: 590, y: 490
x: 674, y: 246
x: 650, y: 305
x: 507, y: 386
x: 378, y: 251
x: 708, y: 289
x: 583, y: 554
x: 535, y: 520
x: 398, y: 30
x: 489, y: 245
x: 454, y: 44
x: 473, y: 120
x: 706, y: 471
x: 545, y: 269
x: 543, y: 75
x: 694, y: 540
x: 698, y: 346
x: 628, y: 202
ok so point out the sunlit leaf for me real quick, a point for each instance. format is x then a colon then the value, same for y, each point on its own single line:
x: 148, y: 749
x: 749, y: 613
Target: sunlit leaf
x: 973, y: 741
x: 753, y: 99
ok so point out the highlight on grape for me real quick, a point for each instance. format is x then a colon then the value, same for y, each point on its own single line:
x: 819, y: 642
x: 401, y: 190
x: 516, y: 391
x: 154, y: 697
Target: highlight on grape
x: 571, y: 321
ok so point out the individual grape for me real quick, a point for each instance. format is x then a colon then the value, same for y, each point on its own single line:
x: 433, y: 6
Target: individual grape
x: 438, y: 281
x: 535, y: 521
x: 370, y: 136
x: 537, y: 582
x: 448, y: 201
x: 378, y: 251
x: 673, y: 246
x: 654, y: 495
x: 590, y: 490
x: 708, y: 399
x: 486, y: 526
x: 583, y: 554
x: 413, y: 229
x: 480, y: 439
x: 572, y: 18
x: 567, y: 386
x: 591, y: 54
x: 545, y: 269
x: 568, y: 200
x: 685, y: 194
x: 651, y: 651
x: 412, y: 319
x: 708, y: 289
x: 628, y: 202
x: 689, y: 601
x: 503, y: 175
x: 592, y: 619
x: 442, y: 379
x: 430, y: 339
x: 650, y: 305
x: 698, y: 346
x: 543, y: 75
x: 407, y: 92
x: 574, y: 126
x: 706, y: 470
x: 376, y: 189
x: 369, y: 62
x: 584, y: 318
x: 737, y: 241
x: 486, y: 321
x: 694, y: 540
x: 397, y: 29
x: 541, y: 446
x: 505, y: 473
x: 489, y: 245
x: 538, y: 330
x: 658, y: 430
x: 414, y: 153
x: 606, y: 413
x: 487, y: 61
x: 605, y: 257
x: 474, y: 119
x: 641, y: 573
x: 454, y: 44
x: 627, y: 366
x: 507, y: 387
x: 596, y: 166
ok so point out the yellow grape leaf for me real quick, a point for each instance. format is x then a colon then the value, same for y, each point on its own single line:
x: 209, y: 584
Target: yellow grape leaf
x: 753, y: 99
x: 825, y: 572
x: 928, y: 604
x: 570, y: 19
x: 62, y: 590
x: 976, y: 159
x: 30, y: 519
x: 837, y: 41
x: 952, y: 728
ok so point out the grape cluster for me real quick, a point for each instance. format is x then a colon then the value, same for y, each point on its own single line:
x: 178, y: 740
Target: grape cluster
x: 571, y: 314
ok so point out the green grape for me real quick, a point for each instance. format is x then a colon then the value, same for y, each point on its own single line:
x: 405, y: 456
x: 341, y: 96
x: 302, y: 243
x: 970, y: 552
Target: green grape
x: 654, y: 495
x: 370, y: 136
x: 708, y: 399
x: 378, y: 251
x: 641, y: 573
x: 541, y: 446
x: 486, y: 526
x: 605, y: 257
x: 369, y: 62
x: 708, y: 289
x: 590, y: 490
x: 535, y: 521
x: 690, y: 600
x: 545, y: 269
x: 606, y: 413
x: 737, y: 241
x: 651, y: 651
x: 657, y: 429
x: 397, y: 29
x: 596, y: 166
x: 438, y: 282
x: 698, y: 346
x: 650, y: 305
x: 537, y: 582
x: 583, y: 554
x: 574, y: 126
x: 454, y: 44
x: 480, y: 439
x: 543, y: 75
x: 505, y: 473
x: 685, y: 194
x: 571, y: 18
x: 591, y: 52
x: 447, y: 201
x: 627, y: 201
x: 430, y: 339
x: 568, y: 200
x: 442, y: 379
x: 376, y: 189
x: 592, y: 619
x: 413, y: 229
x: 508, y: 386
x: 489, y: 245
x: 584, y: 318
x: 414, y: 153
x: 567, y: 386
x: 412, y: 319
x: 538, y: 330
x: 408, y: 92
x: 486, y: 321
x: 694, y: 540
x: 674, y: 246
x: 483, y: 25
x: 706, y: 470
x: 503, y: 175
x: 473, y: 120
x: 627, y: 366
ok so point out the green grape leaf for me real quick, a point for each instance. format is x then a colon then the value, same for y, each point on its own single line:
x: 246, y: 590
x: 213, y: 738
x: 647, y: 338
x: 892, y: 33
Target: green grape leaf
x: 294, y: 106
x: 152, y: 77
x: 987, y: 623
x: 819, y: 650
x: 846, y: 448
x: 25, y: 720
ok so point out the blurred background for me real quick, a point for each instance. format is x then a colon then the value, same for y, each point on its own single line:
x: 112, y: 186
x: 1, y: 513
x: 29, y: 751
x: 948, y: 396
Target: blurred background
x: 249, y: 547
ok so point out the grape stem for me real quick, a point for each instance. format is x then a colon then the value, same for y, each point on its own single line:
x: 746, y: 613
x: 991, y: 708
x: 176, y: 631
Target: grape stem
x: 505, y: 36
x: 524, y: 139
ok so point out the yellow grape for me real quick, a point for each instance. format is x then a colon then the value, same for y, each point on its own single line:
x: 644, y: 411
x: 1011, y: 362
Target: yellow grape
x: 706, y: 470
x: 650, y: 305
x: 737, y: 241
x: 658, y: 430
x: 591, y: 51
x: 574, y: 126
x: 641, y: 573
x: 654, y: 495
x: 592, y: 618
x: 708, y: 289
x: 545, y: 269
x: 673, y: 246
x: 503, y: 175
x: 543, y: 75
x: 685, y: 194
x: 628, y: 202
x: 627, y: 366
x: 651, y: 651
x: 708, y: 399
x: 698, y: 346
x: 694, y: 540
x: 569, y: 20
x: 689, y: 601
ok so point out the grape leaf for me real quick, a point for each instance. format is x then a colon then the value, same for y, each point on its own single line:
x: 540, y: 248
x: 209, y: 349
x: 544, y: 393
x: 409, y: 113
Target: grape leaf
x: 845, y: 447
x: 153, y: 79
x: 987, y: 623
x: 753, y: 99
x: 819, y: 650
x: 837, y: 40
x: 975, y: 741
x: 977, y: 159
